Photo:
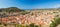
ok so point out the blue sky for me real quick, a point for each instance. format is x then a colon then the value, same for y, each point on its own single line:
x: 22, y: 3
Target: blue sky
x: 30, y: 4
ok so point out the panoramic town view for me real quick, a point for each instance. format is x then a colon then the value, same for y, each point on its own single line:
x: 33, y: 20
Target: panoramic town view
x: 29, y: 13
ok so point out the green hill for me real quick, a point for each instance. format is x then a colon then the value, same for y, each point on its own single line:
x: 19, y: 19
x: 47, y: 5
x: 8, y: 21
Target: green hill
x: 11, y: 9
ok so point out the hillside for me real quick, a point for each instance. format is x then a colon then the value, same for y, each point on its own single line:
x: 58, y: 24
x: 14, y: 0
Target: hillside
x: 4, y: 12
x: 11, y: 9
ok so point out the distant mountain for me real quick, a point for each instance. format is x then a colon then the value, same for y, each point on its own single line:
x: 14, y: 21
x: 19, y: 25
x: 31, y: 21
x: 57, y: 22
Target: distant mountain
x: 11, y: 9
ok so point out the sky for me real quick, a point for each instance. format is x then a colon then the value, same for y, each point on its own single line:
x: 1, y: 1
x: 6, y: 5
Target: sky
x: 30, y: 4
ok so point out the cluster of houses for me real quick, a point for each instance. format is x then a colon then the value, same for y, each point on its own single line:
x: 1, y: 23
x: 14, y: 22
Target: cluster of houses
x: 39, y: 18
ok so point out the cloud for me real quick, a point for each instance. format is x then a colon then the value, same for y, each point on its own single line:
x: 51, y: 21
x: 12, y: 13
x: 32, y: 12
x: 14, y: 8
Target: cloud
x: 57, y: 5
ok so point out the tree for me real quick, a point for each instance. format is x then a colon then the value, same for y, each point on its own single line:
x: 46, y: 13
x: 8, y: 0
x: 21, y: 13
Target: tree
x: 36, y: 26
x: 32, y: 25
x: 23, y: 13
x: 26, y: 25
x: 55, y: 22
x: 18, y: 25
